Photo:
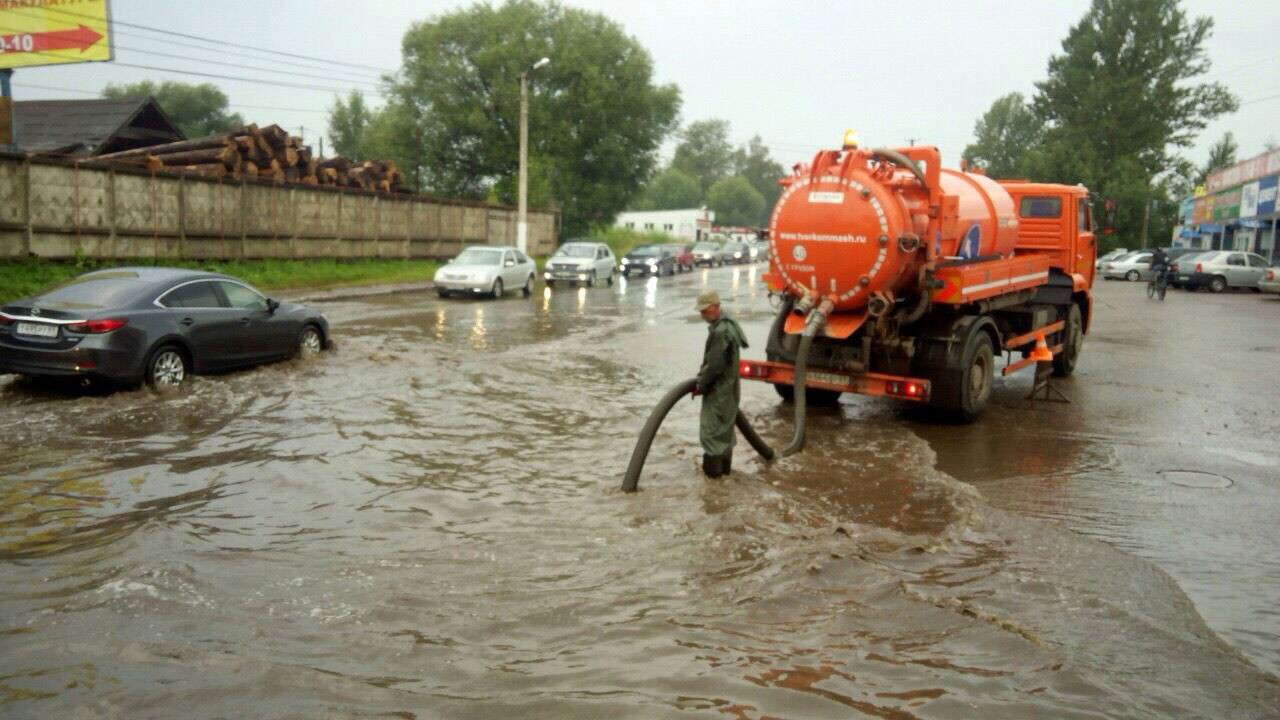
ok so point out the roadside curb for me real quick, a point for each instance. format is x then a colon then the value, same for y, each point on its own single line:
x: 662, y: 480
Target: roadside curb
x: 343, y: 293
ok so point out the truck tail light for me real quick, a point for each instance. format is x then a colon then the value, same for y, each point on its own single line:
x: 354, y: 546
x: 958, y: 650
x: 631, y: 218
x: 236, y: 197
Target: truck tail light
x: 748, y: 369
x: 96, y: 327
x: 907, y: 389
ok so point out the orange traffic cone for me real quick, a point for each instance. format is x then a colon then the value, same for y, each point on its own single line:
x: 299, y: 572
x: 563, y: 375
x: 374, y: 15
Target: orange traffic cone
x: 1041, y: 352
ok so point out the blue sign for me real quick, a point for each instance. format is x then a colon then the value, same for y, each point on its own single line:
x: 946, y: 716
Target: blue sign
x: 1267, y: 195
x: 972, y: 243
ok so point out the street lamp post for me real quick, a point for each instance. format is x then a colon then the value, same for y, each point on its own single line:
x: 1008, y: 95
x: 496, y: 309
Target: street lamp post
x: 522, y: 221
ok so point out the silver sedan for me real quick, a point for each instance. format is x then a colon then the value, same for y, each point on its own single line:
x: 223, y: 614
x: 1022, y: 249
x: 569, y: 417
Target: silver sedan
x: 1134, y: 266
x: 486, y: 270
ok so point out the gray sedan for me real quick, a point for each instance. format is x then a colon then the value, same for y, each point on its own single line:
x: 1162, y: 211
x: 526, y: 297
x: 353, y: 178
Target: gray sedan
x: 1225, y: 269
x: 150, y: 324
x: 1134, y: 266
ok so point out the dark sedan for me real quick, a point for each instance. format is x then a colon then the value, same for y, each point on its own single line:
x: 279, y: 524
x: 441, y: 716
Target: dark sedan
x: 648, y: 260
x: 153, y: 325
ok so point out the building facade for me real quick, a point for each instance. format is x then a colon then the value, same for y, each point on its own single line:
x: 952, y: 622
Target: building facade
x: 691, y: 225
x: 1236, y: 209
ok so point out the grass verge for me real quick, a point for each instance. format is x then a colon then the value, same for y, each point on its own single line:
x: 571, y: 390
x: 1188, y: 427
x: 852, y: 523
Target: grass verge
x: 26, y: 277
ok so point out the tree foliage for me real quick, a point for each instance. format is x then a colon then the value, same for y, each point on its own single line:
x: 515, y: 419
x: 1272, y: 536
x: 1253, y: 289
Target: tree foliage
x: 1007, y: 137
x: 197, y: 110
x: 671, y: 189
x: 735, y: 202
x: 705, y: 152
x: 1122, y: 99
x: 754, y: 163
x: 347, y: 123
x: 596, y: 117
x: 1222, y: 154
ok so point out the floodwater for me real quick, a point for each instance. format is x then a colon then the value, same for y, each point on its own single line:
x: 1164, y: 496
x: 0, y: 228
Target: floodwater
x: 426, y: 524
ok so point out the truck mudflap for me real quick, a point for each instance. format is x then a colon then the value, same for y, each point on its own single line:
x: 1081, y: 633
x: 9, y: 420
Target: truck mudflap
x: 874, y: 384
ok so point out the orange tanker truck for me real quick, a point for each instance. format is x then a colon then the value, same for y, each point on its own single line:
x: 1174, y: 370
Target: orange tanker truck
x: 900, y: 278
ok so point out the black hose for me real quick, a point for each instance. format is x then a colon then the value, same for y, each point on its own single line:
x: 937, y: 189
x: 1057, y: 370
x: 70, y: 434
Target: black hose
x: 798, y: 397
x: 753, y: 438
x: 631, y: 480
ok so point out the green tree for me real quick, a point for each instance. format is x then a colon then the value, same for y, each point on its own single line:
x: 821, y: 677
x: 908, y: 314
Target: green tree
x: 347, y: 123
x: 1122, y: 99
x: 753, y: 162
x: 735, y: 202
x: 596, y: 117
x: 197, y: 110
x: 671, y: 189
x: 1222, y: 154
x: 705, y: 152
x: 1007, y: 135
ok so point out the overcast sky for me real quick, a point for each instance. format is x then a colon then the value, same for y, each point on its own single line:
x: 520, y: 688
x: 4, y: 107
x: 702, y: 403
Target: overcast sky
x: 796, y: 73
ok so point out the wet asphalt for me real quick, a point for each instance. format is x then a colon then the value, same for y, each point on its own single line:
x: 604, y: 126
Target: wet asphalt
x: 426, y: 523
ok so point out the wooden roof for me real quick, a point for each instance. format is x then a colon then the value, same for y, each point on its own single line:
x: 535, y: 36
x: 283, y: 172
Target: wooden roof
x: 85, y: 128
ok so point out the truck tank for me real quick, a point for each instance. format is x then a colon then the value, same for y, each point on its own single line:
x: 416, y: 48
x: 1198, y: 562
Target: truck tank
x: 855, y: 224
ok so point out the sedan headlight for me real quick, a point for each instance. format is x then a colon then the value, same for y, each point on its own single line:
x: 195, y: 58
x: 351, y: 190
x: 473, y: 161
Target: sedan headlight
x: 651, y: 262
x: 737, y: 255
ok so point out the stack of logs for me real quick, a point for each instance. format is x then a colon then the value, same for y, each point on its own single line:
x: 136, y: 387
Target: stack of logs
x: 267, y: 153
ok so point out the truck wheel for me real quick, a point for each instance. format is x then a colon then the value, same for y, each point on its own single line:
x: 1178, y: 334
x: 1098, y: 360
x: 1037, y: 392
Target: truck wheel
x: 962, y: 393
x: 1064, y: 363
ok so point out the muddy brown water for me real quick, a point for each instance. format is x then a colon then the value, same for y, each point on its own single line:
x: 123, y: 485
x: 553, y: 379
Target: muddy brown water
x: 426, y: 523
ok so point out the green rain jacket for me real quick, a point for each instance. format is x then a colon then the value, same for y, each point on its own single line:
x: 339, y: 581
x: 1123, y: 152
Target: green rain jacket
x: 718, y: 384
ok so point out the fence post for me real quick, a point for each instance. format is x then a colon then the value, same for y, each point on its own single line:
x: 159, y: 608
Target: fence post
x: 26, y: 206
x: 244, y: 225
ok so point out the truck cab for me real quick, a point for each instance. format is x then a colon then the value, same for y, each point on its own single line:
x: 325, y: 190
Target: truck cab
x: 1057, y: 220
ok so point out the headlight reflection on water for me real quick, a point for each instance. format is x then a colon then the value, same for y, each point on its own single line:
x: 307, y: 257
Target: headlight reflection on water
x: 651, y: 292
x: 479, y: 334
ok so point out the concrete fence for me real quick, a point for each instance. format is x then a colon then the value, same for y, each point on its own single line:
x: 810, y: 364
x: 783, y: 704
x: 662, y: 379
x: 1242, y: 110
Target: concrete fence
x: 55, y: 208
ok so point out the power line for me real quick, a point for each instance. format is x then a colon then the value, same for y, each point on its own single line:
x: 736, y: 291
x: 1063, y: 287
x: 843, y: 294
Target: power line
x: 217, y: 42
x: 254, y: 68
x: 233, y: 106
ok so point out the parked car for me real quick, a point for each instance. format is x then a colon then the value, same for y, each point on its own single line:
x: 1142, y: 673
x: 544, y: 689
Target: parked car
x: 1114, y: 254
x: 1134, y: 266
x: 580, y: 261
x: 710, y: 254
x: 1270, y: 282
x: 649, y: 260
x: 1224, y: 269
x: 759, y: 250
x: 684, y: 257
x: 486, y: 270
x: 153, y: 324
x: 1182, y: 267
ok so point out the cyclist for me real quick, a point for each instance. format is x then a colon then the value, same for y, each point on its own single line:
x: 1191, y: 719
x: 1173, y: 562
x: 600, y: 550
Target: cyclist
x: 1160, y: 266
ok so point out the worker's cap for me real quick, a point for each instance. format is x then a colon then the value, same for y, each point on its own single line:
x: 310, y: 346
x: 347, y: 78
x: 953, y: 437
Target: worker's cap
x: 706, y: 300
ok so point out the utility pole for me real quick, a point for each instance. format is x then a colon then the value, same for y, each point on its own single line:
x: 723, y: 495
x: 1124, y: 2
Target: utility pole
x: 912, y: 142
x: 1146, y: 218
x: 522, y: 219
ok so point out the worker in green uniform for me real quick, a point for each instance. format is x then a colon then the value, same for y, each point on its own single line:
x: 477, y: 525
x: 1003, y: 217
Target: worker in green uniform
x: 718, y: 385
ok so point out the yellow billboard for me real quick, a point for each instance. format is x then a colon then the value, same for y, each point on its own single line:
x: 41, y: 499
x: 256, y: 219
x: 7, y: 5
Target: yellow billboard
x: 53, y: 32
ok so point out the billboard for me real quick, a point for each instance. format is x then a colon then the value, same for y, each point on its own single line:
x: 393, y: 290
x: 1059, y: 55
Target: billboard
x: 46, y: 32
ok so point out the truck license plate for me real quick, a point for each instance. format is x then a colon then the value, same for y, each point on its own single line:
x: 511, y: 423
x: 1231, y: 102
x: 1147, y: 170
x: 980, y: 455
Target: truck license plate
x: 38, y: 329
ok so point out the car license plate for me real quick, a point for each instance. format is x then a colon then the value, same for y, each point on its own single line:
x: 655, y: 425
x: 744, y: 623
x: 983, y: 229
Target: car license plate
x: 38, y: 329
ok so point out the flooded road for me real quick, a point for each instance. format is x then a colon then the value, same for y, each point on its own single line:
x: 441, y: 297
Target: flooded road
x: 426, y: 523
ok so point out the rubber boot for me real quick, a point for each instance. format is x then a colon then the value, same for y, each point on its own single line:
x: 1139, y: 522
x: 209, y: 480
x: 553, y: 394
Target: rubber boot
x: 713, y: 465
x: 727, y: 462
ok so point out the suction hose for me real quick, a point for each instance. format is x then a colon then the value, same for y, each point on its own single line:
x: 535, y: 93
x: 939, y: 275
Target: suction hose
x: 631, y: 481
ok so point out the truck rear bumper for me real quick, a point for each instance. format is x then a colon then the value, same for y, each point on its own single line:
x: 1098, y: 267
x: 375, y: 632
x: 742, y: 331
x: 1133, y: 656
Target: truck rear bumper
x: 875, y: 384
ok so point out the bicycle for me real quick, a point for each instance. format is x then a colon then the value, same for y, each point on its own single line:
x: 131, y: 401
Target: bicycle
x: 1158, y: 284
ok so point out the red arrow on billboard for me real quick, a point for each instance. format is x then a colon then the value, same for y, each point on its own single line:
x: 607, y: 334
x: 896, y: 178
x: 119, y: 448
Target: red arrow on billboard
x: 82, y: 37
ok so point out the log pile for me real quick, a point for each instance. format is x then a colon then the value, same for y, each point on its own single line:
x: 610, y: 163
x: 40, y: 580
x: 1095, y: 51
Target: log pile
x: 267, y: 153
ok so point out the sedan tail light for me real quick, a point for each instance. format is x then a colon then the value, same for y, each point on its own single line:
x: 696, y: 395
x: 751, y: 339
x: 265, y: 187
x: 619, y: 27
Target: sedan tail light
x: 1199, y: 268
x: 5, y: 320
x: 1271, y: 275
x: 95, y: 327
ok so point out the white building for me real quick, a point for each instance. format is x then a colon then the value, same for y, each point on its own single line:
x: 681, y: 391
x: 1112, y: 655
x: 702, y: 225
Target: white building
x: 692, y: 225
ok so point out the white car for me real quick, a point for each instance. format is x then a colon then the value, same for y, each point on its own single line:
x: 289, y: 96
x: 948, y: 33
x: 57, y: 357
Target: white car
x: 1114, y: 254
x: 584, y: 262
x: 1133, y: 266
x: 1270, y: 282
x: 486, y: 270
